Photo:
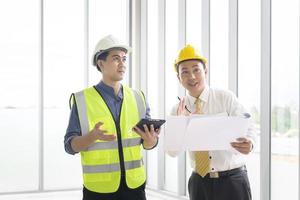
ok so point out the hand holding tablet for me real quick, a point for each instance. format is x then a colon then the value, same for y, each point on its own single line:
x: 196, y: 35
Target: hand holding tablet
x: 156, y: 123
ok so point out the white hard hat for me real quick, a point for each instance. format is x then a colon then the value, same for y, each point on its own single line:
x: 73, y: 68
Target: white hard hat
x: 106, y: 44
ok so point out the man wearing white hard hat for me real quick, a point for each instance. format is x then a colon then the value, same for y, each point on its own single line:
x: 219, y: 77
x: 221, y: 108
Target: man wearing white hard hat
x: 219, y: 174
x: 102, y: 128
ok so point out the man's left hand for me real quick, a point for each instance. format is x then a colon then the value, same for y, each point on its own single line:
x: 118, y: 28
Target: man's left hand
x: 243, y: 145
x: 149, y: 136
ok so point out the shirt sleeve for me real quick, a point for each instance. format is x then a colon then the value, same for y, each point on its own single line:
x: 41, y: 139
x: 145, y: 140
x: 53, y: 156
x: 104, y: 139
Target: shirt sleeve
x: 73, y: 130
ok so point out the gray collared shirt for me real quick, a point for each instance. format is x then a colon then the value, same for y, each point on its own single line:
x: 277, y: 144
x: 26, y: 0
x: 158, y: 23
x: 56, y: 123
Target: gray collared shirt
x: 113, y: 102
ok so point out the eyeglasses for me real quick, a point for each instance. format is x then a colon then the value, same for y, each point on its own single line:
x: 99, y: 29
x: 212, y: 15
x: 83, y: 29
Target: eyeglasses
x: 119, y: 59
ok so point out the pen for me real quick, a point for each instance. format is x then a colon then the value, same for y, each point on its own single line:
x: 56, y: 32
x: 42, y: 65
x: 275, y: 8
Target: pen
x: 184, y: 106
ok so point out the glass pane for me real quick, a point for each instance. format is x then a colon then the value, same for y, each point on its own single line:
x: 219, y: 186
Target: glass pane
x: 285, y: 100
x: 63, y: 75
x: 193, y: 36
x: 105, y: 18
x: 153, y: 84
x: 193, y: 23
x: 219, y: 44
x: 19, y: 80
x: 171, y: 170
x: 249, y: 79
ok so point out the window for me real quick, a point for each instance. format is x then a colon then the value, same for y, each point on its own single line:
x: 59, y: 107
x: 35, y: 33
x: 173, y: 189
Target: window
x: 285, y: 100
x: 25, y: 88
x: 19, y: 80
x: 219, y: 44
x: 194, y: 24
x: 63, y: 75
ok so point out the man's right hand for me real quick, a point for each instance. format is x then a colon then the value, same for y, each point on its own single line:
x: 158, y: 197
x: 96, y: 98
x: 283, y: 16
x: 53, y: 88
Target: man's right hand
x: 81, y: 143
x: 98, y: 133
x: 181, y: 110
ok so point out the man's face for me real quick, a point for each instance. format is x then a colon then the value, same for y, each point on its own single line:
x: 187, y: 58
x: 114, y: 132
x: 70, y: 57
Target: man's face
x: 191, y: 74
x: 113, y: 68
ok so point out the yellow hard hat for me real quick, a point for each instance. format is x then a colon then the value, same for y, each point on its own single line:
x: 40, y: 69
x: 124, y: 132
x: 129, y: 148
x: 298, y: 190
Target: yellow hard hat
x: 188, y: 53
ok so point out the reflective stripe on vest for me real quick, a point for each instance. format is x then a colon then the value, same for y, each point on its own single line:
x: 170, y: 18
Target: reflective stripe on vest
x: 129, y: 142
x: 111, y: 167
x: 81, y: 108
x: 140, y: 104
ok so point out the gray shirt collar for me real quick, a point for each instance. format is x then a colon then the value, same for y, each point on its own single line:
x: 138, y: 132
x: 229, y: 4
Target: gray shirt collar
x: 109, y: 90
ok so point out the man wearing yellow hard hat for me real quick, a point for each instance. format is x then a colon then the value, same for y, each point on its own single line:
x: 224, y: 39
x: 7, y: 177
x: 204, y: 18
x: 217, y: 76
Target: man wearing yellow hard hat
x: 102, y: 127
x: 220, y: 175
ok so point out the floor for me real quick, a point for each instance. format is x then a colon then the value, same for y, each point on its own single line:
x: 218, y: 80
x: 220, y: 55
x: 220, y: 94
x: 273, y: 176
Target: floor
x: 68, y: 195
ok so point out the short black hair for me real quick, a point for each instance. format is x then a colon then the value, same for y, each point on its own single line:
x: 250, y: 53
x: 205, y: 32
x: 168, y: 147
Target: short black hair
x: 102, y: 56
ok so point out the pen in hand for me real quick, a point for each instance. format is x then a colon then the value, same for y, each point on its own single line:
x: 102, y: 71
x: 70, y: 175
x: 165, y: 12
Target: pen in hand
x: 184, y: 106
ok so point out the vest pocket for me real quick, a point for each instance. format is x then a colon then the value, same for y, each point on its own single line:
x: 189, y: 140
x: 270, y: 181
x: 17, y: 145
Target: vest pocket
x: 99, y: 177
x: 136, y: 153
x: 136, y: 177
x: 96, y: 157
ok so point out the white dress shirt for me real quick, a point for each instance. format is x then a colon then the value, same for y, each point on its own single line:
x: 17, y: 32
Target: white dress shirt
x: 216, y: 101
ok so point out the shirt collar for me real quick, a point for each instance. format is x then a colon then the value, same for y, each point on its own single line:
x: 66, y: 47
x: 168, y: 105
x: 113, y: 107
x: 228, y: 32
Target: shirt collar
x: 109, y: 90
x: 203, y: 96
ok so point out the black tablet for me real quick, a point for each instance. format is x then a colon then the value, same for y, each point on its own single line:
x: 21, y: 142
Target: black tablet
x: 156, y: 123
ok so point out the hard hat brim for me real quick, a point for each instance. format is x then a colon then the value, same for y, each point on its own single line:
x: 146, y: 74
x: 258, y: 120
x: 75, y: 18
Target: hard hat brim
x: 202, y: 59
x: 177, y: 63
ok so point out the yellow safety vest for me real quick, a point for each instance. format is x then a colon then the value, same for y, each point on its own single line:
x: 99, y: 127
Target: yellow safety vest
x: 100, y: 161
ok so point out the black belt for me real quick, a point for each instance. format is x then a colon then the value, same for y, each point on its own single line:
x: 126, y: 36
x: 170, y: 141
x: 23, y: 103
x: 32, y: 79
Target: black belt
x: 225, y: 173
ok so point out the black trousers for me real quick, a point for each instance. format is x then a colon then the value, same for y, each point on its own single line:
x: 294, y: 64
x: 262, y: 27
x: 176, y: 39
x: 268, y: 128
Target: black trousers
x: 123, y: 193
x: 231, y: 185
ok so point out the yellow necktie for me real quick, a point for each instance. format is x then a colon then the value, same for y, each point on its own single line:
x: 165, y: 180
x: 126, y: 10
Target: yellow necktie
x: 201, y: 157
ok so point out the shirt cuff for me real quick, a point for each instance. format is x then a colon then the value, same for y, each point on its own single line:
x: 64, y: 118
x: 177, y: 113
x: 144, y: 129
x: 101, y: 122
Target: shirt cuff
x: 68, y: 146
x: 252, y: 142
x: 151, y: 147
